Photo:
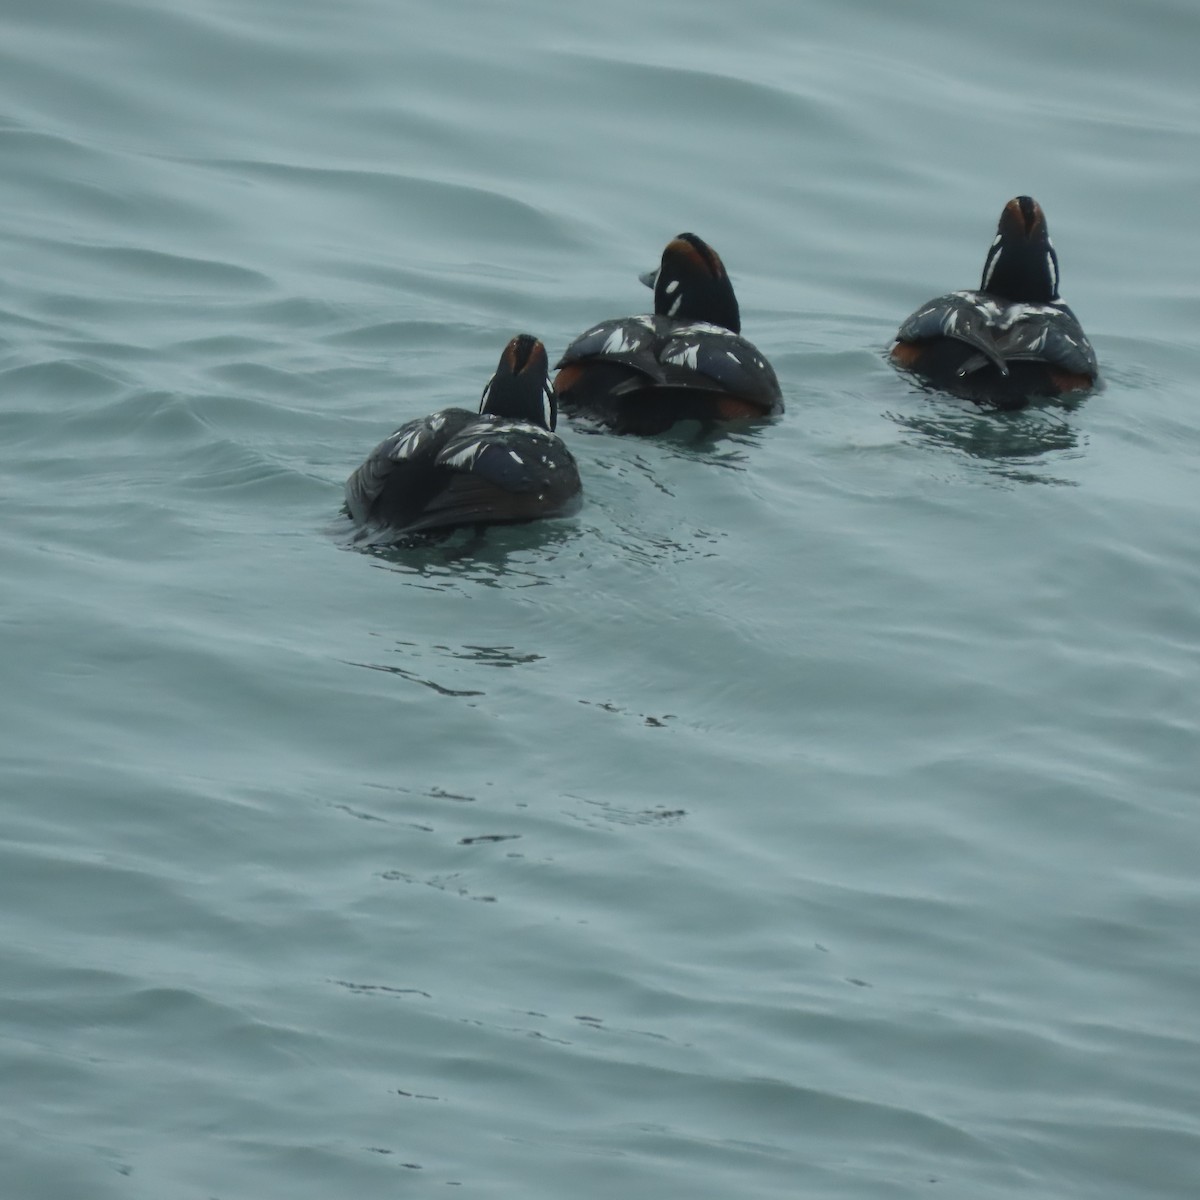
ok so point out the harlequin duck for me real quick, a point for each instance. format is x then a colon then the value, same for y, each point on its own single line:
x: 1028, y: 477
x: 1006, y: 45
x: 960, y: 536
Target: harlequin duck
x: 456, y: 467
x: 686, y: 361
x: 1013, y: 338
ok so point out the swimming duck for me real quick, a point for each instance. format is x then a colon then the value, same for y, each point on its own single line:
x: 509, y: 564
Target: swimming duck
x: 686, y: 361
x: 1011, y: 339
x: 454, y: 467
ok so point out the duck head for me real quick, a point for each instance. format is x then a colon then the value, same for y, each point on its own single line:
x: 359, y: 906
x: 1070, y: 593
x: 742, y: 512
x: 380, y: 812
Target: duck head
x: 520, y: 389
x: 691, y: 284
x: 1021, y: 265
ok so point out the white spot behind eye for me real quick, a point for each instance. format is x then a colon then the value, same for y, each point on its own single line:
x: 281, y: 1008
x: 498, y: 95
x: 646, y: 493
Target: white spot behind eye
x: 516, y: 457
x: 672, y: 287
x: 675, y: 307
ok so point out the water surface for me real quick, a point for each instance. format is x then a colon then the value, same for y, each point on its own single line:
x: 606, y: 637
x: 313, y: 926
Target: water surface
x: 813, y: 814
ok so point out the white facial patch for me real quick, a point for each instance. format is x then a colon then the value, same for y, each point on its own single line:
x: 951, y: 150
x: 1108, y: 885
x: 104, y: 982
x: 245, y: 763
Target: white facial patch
x: 672, y: 287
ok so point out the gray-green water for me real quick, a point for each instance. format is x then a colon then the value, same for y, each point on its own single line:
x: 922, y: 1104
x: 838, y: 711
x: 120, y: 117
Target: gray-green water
x: 814, y: 815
